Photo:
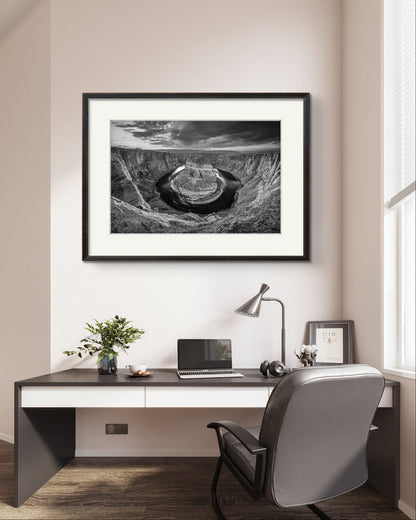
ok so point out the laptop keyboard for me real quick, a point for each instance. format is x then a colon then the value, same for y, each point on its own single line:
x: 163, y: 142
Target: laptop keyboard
x: 197, y: 374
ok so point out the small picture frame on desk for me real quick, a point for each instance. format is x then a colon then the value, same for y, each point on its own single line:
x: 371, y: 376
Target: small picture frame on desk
x: 333, y: 340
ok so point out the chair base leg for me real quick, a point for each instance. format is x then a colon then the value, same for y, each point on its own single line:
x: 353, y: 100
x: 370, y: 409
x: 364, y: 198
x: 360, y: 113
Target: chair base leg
x: 319, y: 512
x: 216, y: 506
x: 214, y: 498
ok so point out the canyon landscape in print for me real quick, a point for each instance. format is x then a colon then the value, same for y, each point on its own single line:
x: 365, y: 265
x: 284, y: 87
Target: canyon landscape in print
x: 195, y: 176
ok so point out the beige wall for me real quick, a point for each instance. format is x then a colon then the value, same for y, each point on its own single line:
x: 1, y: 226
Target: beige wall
x: 362, y: 277
x: 25, y: 205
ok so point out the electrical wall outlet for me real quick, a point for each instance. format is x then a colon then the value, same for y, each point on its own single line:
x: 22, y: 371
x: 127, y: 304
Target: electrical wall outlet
x: 116, y: 429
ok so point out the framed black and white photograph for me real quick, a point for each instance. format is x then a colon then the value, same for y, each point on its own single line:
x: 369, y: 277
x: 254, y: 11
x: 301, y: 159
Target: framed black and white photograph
x: 334, y: 340
x: 196, y: 176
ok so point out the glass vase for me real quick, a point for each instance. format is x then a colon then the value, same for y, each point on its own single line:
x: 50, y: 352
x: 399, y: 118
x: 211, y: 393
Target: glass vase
x: 107, y: 366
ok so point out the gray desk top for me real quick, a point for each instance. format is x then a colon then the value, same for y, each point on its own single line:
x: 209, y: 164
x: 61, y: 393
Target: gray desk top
x: 160, y: 377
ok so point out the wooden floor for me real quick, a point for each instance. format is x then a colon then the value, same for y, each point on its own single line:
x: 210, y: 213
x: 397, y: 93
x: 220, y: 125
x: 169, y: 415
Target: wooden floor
x: 177, y: 489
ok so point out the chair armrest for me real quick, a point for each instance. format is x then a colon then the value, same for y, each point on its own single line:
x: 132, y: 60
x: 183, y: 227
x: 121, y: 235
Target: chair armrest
x: 253, y: 446
x: 246, y: 438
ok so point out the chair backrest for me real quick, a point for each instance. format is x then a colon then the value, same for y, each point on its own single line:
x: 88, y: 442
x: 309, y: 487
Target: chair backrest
x: 315, y: 427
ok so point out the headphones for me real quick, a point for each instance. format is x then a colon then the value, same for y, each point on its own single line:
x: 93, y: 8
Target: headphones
x: 274, y: 368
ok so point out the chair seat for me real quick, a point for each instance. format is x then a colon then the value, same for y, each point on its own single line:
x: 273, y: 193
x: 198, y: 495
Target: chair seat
x: 243, y: 459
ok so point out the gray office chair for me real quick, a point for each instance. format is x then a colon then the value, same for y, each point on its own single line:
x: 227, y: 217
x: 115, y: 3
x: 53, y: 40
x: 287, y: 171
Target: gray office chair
x: 311, y: 445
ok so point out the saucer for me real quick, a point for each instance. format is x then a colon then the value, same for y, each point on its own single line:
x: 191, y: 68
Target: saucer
x: 140, y: 375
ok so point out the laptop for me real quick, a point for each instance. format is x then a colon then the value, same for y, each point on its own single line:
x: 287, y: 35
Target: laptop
x: 205, y: 358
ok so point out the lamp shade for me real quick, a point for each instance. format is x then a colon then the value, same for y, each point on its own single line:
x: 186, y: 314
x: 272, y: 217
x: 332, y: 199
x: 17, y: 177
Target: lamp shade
x: 253, y: 306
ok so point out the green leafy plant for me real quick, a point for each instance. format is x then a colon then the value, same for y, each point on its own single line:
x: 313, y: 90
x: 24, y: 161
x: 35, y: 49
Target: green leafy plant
x: 107, y: 336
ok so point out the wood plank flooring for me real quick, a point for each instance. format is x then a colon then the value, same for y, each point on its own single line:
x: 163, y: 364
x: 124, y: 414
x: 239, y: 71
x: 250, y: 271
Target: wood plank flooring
x: 162, y: 489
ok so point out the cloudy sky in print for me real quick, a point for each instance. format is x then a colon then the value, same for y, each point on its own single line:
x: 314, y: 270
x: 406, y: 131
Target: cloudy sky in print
x: 249, y: 136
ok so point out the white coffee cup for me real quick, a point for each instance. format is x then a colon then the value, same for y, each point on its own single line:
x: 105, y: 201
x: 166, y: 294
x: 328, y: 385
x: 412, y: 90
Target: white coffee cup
x: 136, y: 367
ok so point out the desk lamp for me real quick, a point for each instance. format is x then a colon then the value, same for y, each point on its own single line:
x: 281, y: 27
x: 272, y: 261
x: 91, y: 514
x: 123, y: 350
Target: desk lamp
x: 253, y: 306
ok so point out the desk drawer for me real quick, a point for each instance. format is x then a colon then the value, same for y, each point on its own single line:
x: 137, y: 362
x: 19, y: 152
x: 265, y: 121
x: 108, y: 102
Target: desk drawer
x: 202, y: 397
x: 82, y: 397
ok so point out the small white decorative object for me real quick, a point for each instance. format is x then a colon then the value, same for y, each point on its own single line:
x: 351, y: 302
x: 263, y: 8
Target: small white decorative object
x: 307, y: 355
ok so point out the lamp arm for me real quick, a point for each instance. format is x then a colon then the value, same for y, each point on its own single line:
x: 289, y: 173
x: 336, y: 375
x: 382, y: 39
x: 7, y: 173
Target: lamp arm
x: 283, y: 344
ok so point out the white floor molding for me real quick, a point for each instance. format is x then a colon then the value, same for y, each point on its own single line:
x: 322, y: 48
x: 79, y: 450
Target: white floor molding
x: 407, y: 510
x: 7, y: 438
x: 145, y: 453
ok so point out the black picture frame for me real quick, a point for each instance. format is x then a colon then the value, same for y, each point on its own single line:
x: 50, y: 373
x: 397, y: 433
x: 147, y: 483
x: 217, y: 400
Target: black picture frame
x: 92, y: 197
x: 335, y: 329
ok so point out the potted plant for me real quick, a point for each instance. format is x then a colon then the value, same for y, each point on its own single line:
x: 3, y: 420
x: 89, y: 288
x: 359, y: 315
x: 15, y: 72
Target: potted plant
x: 105, y: 339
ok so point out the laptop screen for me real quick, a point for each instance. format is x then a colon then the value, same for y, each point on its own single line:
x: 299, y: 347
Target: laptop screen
x: 201, y: 354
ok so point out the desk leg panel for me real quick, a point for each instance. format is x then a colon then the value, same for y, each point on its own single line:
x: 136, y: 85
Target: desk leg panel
x: 44, y: 443
x: 383, y: 451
